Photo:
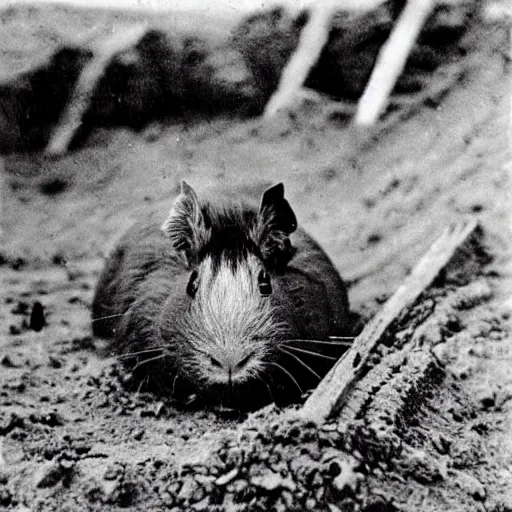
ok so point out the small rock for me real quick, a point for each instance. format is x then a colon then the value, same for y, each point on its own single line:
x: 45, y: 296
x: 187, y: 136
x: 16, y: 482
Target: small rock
x: 54, y: 362
x: 226, y: 478
x: 109, y: 488
x: 202, y: 505
x: 287, y: 498
x: 21, y: 308
x: 440, y: 352
x: 5, y: 497
x: 347, y: 477
x: 239, y: 486
x: 50, y: 473
x: 53, y: 186
x: 187, y: 489
x: 441, y: 444
x: 37, y: 318
x: 486, y: 397
x: 198, y: 495
x: 167, y: 499
x: 272, y: 481
x: 113, y: 472
x: 310, y: 504
x: 14, y: 330
x: 138, y: 434
x: 205, y: 481
x: 6, y: 361
x: 279, y: 506
x: 471, y: 485
x: 16, y: 385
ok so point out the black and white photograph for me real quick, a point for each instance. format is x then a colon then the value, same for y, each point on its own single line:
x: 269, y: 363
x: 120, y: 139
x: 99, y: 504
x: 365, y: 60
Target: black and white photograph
x: 256, y: 255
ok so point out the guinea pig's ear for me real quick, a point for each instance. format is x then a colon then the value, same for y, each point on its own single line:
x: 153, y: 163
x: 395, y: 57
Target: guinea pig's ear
x: 184, y: 223
x: 275, y: 222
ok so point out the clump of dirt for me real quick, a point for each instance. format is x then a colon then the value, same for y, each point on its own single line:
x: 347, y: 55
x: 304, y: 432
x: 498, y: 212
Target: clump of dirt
x: 427, y: 428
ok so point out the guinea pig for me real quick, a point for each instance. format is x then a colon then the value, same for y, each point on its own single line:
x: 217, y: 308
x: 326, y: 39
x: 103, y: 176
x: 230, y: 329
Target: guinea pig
x: 226, y: 301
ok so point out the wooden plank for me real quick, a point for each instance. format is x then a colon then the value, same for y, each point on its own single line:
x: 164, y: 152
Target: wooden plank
x: 336, y: 386
x: 313, y: 38
x: 391, y: 61
x: 79, y: 103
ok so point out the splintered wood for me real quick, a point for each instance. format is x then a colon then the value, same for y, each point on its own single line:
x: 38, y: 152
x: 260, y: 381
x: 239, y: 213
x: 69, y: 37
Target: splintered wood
x: 337, y: 385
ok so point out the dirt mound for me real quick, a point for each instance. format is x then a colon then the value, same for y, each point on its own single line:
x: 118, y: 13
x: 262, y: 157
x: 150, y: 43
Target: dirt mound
x: 428, y: 427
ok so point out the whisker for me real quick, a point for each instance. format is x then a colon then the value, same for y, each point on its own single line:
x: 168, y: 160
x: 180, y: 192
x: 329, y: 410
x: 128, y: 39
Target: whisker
x: 267, y: 386
x: 161, y: 356
x: 174, y: 383
x: 332, y: 343
x: 300, y: 361
x: 146, y: 351
x: 108, y: 316
x: 142, y: 383
x: 316, y: 354
x: 336, y: 338
x: 289, y: 375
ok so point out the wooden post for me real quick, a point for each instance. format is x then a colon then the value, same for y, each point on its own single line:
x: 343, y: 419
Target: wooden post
x: 312, y: 40
x: 333, y: 390
x: 391, y: 61
x: 79, y: 103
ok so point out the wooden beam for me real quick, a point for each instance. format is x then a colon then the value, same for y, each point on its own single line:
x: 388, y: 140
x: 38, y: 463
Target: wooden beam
x: 313, y: 38
x: 391, y: 61
x: 71, y: 118
x: 336, y: 386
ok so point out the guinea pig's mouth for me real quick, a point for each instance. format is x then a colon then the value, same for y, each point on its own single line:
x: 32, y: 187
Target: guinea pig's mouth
x: 247, y: 395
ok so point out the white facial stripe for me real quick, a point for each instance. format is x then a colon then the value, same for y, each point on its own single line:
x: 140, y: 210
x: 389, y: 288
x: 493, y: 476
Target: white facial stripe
x: 228, y: 321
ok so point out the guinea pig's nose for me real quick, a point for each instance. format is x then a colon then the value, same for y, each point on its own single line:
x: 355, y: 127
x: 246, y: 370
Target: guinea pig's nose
x: 231, y: 365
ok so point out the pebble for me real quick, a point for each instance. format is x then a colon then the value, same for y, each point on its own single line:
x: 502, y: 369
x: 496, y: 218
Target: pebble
x: 5, y: 497
x: 50, y: 473
x: 310, y: 504
x: 239, y: 486
x: 14, y: 330
x: 138, y: 434
x: 440, y: 352
x: 473, y: 486
x: 204, y: 504
x: 287, y: 498
x: 347, y: 477
x: 272, y: 481
x: 226, y: 478
x: 37, y: 318
x: 108, y: 488
x: 486, y: 397
x: 187, y: 489
x: 7, y: 362
x: 54, y: 362
x: 441, y: 444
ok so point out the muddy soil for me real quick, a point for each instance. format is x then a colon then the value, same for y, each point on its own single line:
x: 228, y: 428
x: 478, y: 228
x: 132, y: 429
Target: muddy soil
x: 72, y: 437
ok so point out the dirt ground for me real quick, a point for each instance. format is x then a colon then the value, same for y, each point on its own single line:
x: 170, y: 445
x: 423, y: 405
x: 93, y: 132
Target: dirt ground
x: 73, y: 438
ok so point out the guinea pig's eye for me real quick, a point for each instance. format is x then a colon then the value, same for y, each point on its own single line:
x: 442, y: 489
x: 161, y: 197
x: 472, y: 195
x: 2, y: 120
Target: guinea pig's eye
x: 264, y: 283
x: 192, y: 284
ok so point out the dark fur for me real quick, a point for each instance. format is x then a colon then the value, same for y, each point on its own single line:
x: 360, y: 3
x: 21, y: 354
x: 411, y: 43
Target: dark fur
x: 145, y: 281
